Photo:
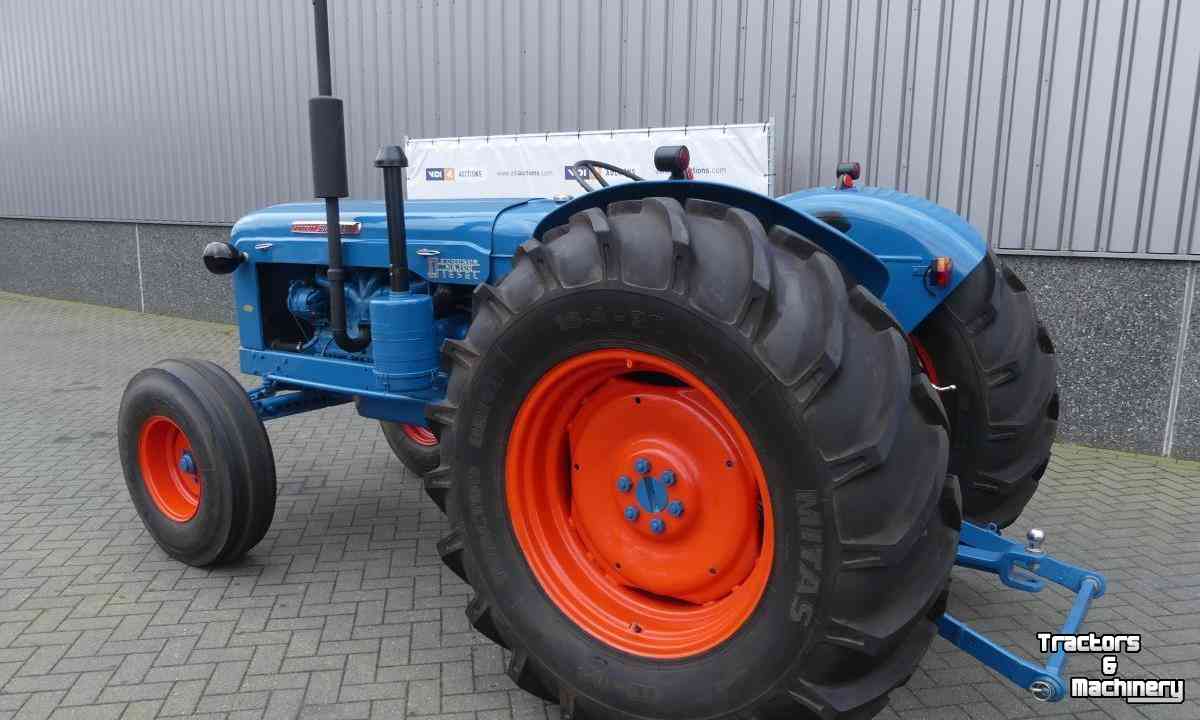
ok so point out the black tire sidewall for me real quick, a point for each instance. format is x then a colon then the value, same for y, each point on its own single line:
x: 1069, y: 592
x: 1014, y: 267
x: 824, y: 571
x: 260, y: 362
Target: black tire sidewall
x: 758, y: 657
x: 200, y: 539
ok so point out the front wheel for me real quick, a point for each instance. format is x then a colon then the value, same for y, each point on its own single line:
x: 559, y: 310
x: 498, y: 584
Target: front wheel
x: 692, y: 473
x: 197, y: 461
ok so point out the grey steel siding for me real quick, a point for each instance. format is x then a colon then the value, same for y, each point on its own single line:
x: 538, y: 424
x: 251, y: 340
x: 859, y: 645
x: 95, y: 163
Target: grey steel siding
x: 1055, y: 126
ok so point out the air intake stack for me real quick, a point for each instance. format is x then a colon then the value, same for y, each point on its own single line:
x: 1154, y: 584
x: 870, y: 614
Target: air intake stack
x: 405, y: 353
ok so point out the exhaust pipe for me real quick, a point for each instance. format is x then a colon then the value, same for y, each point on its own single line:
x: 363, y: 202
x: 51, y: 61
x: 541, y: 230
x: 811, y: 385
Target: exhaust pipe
x: 404, y: 350
x: 327, y: 136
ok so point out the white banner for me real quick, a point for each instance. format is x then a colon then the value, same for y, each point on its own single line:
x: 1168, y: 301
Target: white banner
x: 539, y: 165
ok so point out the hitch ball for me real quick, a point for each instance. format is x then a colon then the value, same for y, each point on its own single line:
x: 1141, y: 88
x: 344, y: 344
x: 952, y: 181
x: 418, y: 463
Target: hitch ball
x: 222, y: 258
x: 1035, y: 538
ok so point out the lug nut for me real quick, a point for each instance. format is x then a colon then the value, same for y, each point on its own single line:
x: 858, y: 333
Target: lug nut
x: 631, y: 514
x: 657, y: 526
x: 675, y: 508
x: 668, y: 478
x: 624, y: 484
x: 641, y: 465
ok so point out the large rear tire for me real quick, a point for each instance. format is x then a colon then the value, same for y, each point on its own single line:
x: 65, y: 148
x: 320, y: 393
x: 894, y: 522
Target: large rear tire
x: 987, y: 341
x: 592, y: 360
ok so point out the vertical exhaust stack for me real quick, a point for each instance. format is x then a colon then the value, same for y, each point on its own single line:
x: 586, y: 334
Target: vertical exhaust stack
x: 401, y: 333
x: 327, y: 135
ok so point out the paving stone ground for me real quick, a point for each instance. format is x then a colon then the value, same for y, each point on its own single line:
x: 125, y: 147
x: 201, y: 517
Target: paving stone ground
x: 344, y: 610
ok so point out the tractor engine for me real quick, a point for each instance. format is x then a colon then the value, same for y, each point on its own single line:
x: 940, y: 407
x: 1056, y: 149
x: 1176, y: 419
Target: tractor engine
x: 402, y: 349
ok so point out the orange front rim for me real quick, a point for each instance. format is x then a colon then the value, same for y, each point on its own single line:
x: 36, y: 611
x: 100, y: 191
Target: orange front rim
x: 639, y: 503
x: 169, y: 468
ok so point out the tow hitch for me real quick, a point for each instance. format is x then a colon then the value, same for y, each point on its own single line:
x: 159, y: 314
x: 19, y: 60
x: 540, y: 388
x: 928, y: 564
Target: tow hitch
x: 1023, y: 567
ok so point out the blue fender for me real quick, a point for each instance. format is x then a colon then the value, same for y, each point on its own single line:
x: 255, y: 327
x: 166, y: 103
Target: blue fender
x: 853, y: 257
x: 906, y: 233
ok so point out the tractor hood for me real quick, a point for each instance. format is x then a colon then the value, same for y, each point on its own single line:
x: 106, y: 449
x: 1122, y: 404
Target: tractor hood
x: 453, y: 241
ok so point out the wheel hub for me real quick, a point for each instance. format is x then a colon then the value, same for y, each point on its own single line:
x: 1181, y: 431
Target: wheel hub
x: 639, y: 503
x: 169, y: 468
x: 688, y: 528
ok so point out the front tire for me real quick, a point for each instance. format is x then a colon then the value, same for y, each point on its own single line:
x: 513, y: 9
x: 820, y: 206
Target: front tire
x: 987, y: 341
x: 653, y: 300
x: 197, y: 461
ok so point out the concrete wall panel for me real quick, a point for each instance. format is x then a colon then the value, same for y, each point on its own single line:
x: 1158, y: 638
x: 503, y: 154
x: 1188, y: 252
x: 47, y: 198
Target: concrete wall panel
x: 174, y: 277
x: 86, y: 262
x: 1185, y: 440
x: 1115, y: 327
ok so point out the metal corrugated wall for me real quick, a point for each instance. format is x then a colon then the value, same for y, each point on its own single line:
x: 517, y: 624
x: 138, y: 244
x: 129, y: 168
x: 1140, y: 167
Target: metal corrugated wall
x: 1056, y: 126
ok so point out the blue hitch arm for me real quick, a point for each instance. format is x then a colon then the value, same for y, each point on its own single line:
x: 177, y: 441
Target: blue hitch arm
x: 1023, y: 567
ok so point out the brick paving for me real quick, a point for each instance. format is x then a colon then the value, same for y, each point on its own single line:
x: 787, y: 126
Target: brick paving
x: 345, y: 611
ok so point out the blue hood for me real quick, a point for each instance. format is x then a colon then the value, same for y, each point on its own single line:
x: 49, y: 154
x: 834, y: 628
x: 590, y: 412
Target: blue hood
x: 475, y: 233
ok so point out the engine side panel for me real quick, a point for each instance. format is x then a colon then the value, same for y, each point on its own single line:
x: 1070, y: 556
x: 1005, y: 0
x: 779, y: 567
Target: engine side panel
x: 906, y: 233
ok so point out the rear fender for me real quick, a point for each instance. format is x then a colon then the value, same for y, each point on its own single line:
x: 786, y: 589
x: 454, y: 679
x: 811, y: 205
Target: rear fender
x: 906, y: 233
x: 851, y: 256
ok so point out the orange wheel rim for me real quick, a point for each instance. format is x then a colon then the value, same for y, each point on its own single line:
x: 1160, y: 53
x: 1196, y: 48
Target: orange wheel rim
x: 169, y: 468
x: 639, y: 503
x: 419, y: 434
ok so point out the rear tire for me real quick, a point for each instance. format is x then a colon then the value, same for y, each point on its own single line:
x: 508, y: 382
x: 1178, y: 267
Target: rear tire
x: 850, y: 436
x: 411, y: 448
x: 987, y: 341
x: 220, y: 502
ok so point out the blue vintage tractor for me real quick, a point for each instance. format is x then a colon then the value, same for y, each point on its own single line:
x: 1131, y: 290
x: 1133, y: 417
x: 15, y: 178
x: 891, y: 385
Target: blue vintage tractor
x: 704, y: 453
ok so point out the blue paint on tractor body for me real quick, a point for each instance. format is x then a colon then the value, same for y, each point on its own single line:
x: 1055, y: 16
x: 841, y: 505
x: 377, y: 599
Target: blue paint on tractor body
x: 904, y: 232
x: 889, y: 243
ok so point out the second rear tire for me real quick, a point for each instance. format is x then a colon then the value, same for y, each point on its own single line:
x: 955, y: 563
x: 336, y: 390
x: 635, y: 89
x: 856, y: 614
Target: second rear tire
x: 987, y: 341
x: 415, y: 446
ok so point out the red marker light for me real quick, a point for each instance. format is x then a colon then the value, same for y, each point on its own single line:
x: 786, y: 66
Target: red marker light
x: 674, y: 159
x: 939, y: 272
x: 847, y: 173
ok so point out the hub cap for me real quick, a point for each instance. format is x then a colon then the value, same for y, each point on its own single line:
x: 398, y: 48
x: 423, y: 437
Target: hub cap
x: 639, y: 503
x: 169, y: 468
